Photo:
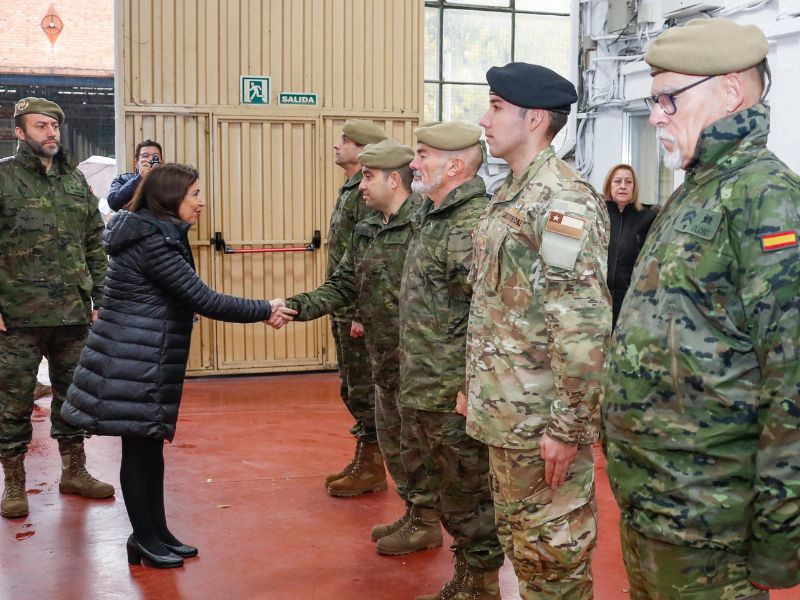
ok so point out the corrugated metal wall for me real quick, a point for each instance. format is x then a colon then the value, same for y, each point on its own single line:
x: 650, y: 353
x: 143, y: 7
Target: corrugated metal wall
x: 267, y: 171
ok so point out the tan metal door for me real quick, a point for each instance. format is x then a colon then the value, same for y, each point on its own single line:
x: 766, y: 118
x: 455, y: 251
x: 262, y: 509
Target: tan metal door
x: 267, y: 196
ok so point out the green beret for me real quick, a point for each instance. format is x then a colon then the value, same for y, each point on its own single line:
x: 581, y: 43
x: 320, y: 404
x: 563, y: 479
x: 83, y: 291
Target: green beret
x: 363, y: 132
x: 449, y: 136
x: 707, y: 47
x: 386, y: 154
x: 39, y: 106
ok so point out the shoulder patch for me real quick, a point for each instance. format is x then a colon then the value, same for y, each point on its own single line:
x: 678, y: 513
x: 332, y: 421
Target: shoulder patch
x: 778, y: 241
x: 558, y: 222
x: 700, y: 222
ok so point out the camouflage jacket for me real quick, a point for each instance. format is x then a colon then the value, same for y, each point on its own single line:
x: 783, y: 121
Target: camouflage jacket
x: 348, y: 210
x: 52, y: 266
x: 434, y: 299
x: 538, y: 331
x: 703, y: 394
x: 369, y: 275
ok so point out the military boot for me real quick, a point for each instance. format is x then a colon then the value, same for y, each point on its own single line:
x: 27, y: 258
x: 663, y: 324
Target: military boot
x: 420, y: 532
x: 366, y: 475
x: 469, y: 583
x: 15, y: 500
x: 75, y: 479
x: 385, y: 529
x: 334, y: 476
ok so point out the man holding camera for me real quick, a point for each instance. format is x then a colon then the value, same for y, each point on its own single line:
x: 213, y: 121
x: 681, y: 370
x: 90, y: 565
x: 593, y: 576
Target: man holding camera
x: 148, y: 154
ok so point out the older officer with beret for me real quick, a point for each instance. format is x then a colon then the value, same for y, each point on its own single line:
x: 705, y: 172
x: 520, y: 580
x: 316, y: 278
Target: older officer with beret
x: 365, y: 472
x: 701, y: 408
x: 538, y: 326
x: 52, y: 269
x: 434, y: 306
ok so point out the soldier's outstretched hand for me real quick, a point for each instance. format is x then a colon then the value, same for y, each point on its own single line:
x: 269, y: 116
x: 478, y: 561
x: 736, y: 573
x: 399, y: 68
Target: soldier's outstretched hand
x: 557, y: 458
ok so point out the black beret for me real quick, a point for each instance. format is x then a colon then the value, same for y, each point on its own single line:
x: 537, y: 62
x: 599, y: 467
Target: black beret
x: 531, y: 86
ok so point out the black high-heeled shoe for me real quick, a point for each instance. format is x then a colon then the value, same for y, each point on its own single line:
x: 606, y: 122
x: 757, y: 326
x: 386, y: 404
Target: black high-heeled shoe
x: 183, y: 550
x: 137, y: 552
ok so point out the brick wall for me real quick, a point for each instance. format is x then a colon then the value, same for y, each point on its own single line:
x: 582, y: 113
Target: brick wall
x: 85, y: 46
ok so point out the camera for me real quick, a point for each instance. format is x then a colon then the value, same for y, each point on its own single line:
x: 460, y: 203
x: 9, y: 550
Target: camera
x: 154, y: 161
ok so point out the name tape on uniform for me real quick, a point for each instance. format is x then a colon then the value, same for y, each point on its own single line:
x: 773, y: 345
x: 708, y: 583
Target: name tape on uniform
x: 558, y: 222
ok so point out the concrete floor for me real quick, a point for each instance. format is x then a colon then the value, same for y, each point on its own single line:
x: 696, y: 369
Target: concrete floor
x: 244, y: 483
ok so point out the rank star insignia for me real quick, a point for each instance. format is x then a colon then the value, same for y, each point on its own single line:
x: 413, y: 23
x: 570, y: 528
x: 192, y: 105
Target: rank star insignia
x: 556, y: 217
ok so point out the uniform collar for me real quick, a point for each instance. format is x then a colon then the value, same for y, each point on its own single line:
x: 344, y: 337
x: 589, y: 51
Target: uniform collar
x: 404, y: 213
x: 515, y: 184
x: 727, y: 144
x: 468, y: 189
x: 61, y: 161
x: 353, y: 181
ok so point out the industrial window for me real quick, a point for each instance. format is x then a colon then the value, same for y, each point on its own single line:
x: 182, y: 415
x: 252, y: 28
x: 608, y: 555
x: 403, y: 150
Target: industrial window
x: 643, y: 153
x: 463, y: 38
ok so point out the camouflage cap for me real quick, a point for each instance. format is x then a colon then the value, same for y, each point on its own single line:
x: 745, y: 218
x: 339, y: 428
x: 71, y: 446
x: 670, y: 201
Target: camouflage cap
x: 386, y: 154
x: 707, y: 47
x: 39, y: 106
x: 363, y: 132
x: 454, y: 135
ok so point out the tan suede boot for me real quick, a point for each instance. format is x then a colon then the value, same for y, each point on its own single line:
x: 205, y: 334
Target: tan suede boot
x: 367, y: 474
x: 469, y: 583
x: 420, y: 532
x: 15, y: 500
x: 334, y: 476
x: 75, y: 479
x: 385, y: 529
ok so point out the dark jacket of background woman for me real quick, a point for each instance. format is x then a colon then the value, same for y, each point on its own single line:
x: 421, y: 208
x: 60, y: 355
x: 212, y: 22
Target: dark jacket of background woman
x: 130, y: 375
x: 628, y: 231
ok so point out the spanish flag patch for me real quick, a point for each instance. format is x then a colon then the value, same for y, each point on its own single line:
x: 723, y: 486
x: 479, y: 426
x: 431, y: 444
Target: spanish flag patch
x: 777, y: 241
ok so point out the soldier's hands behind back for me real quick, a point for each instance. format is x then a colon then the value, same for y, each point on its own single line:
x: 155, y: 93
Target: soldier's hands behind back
x: 356, y: 329
x: 2, y: 325
x: 461, y: 403
x: 557, y: 458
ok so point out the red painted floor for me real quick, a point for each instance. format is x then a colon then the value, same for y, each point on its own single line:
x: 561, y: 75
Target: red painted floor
x: 244, y: 483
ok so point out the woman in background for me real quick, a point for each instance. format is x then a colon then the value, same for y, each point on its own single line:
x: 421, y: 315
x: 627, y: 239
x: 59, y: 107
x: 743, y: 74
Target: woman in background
x: 130, y: 375
x: 630, y: 222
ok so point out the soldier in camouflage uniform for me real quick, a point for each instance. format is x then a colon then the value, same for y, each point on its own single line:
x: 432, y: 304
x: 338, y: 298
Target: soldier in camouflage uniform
x: 434, y: 305
x: 701, y: 417
x: 51, y: 275
x: 369, y: 275
x: 356, y: 388
x: 538, y: 327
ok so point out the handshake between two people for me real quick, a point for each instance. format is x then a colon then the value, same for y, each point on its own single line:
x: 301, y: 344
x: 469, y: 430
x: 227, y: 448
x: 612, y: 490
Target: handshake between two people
x: 280, y: 315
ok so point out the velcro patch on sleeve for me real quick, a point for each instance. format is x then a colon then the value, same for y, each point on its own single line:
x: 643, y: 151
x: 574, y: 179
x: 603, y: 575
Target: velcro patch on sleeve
x: 558, y: 222
x: 778, y: 241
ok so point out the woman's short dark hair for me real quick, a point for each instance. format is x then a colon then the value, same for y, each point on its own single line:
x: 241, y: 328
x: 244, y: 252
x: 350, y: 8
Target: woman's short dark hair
x: 163, y: 189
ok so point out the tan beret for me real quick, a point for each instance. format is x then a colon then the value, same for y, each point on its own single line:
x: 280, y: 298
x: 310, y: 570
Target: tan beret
x: 449, y: 136
x: 363, y: 132
x: 386, y: 154
x: 707, y: 47
x: 39, y: 106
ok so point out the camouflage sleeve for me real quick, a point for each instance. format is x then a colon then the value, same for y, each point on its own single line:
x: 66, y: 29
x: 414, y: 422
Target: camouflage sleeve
x: 770, y: 294
x: 96, y: 259
x: 337, y: 292
x: 578, y: 319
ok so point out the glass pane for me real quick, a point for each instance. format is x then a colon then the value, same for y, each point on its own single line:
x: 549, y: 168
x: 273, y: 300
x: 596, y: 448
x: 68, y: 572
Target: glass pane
x: 557, y: 6
x: 480, y: 2
x: 544, y: 40
x: 644, y: 157
x: 430, y: 110
x: 473, y: 42
x: 464, y: 102
x: 431, y: 50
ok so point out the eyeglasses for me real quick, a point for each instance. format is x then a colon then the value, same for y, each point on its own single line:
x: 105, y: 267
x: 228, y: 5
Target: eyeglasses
x: 147, y: 155
x: 667, y: 101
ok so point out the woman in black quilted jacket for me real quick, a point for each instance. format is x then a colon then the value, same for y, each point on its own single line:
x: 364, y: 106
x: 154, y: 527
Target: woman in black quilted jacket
x: 130, y: 376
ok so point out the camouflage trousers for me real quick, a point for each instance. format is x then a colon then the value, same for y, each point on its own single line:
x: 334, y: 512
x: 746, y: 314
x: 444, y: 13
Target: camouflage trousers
x: 548, y: 535
x: 456, y: 483
x: 21, y: 351
x: 387, y: 425
x: 355, y: 380
x: 661, y: 571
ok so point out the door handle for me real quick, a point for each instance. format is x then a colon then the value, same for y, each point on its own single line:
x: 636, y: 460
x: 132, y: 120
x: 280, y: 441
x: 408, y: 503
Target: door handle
x: 220, y: 245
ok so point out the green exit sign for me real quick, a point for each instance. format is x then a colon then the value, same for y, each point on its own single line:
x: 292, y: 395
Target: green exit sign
x: 297, y: 99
